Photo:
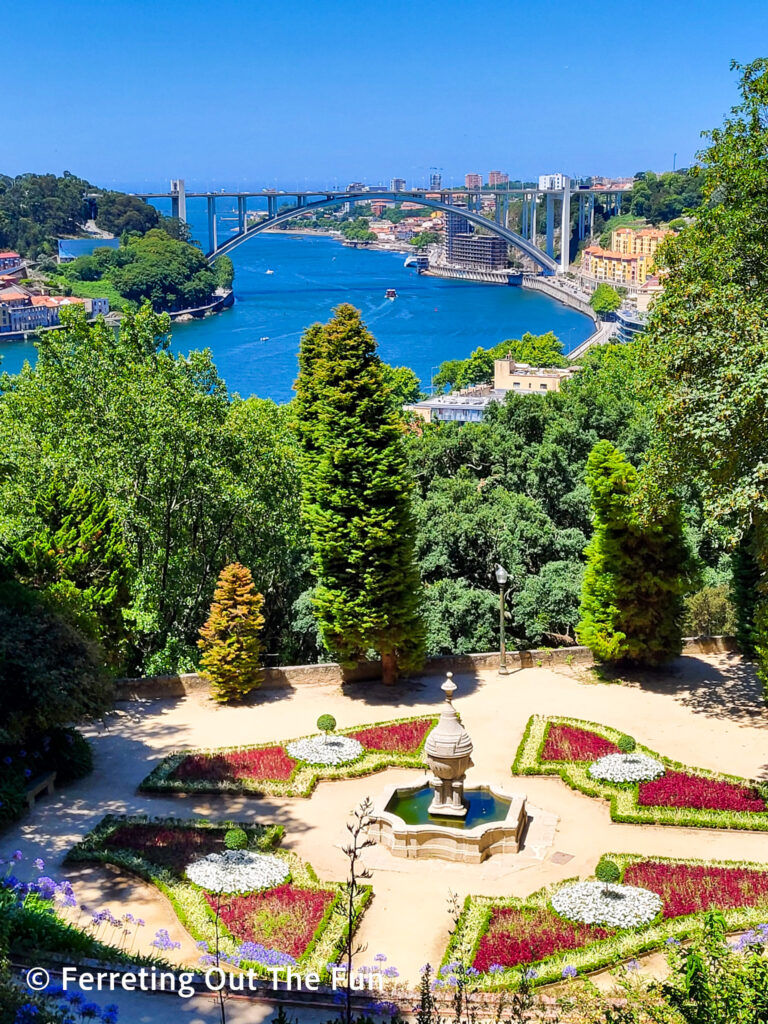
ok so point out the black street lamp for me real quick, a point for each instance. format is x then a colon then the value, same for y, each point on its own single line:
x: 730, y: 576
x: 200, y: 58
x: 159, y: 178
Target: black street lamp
x: 501, y: 578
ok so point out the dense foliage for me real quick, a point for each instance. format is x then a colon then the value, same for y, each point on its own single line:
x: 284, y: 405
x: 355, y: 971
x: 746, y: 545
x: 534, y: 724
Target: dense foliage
x: 631, y: 606
x: 605, y: 299
x: 707, y: 342
x: 536, y: 350
x: 36, y: 209
x: 230, y: 638
x: 356, y: 498
x: 663, y: 197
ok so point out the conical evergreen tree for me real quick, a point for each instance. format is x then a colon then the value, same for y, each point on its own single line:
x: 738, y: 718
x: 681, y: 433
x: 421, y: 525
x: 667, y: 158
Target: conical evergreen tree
x: 231, y: 638
x: 745, y: 579
x: 631, y: 604
x: 356, y: 499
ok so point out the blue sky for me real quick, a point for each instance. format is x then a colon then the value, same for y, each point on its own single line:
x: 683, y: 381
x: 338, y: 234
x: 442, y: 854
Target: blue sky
x: 244, y: 93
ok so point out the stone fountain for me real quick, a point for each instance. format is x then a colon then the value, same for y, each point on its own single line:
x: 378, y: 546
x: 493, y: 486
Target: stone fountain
x: 445, y: 819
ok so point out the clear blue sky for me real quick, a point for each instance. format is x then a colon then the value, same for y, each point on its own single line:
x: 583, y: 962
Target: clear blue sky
x: 245, y: 93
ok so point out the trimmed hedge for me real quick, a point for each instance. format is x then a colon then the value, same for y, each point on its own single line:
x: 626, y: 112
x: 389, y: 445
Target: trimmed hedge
x: 624, y: 944
x: 623, y: 797
x: 188, y: 900
x: 303, y: 779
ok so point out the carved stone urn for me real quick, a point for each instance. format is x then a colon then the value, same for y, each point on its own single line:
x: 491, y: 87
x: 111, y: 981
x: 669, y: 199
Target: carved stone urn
x: 448, y: 751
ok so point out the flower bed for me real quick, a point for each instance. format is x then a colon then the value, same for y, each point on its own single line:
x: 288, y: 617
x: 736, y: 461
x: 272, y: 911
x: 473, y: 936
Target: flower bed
x: 601, y: 903
x: 325, y: 750
x: 569, y: 743
x: 402, y: 737
x: 626, y: 768
x: 268, y: 770
x: 681, y: 789
x: 285, y: 918
x: 689, y: 888
x: 500, y: 935
x: 259, y: 764
x: 237, y: 871
x: 293, y: 922
x: 683, y: 796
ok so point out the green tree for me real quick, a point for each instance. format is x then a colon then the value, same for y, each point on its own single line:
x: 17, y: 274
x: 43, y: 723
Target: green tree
x: 631, y: 604
x: 118, y: 212
x: 709, y: 612
x: 50, y: 675
x: 425, y: 238
x: 230, y: 639
x: 225, y: 272
x: 706, y: 347
x: 605, y: 299
x: 460, y: 618
x: 76, y: 556
x: 357, y: 498
x: 403, y: 384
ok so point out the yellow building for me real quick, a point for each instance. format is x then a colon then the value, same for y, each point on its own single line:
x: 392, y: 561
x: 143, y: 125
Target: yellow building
x: 509, y: 375
x: 638, y: 243
x: 616, y: 267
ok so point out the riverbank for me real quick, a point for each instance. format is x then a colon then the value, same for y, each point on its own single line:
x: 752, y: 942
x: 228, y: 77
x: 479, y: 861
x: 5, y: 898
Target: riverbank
x: 336, y: 236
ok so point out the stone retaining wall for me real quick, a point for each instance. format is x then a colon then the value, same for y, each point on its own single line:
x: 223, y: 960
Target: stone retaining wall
x: 157, y: 687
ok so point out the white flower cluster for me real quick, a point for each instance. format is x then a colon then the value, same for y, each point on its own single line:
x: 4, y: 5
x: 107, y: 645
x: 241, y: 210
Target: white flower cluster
x: 616, y: 906
x: 626, y: 768
x: 327, y: 750
x: 237, y: 871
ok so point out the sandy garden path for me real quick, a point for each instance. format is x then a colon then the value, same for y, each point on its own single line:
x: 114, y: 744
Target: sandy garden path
x: 705, y: 711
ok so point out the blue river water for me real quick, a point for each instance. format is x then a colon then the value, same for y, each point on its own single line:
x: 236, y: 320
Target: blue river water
x: 255, y: 343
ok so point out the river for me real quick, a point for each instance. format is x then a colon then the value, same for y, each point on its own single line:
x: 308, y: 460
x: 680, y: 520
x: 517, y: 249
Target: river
x: 254, y: 344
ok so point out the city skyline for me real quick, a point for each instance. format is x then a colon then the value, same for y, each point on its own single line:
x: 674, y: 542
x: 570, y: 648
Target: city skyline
x: 307, y: 96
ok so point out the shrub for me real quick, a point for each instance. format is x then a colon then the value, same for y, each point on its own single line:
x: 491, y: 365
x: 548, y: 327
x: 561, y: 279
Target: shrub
x: 710, y: 612
x: 236, y: 839
x: 607, y: 871
x: 12, y: 799
x: 626, y: 744
x: 231, y: 638
x: 326, y: 723
x: 68, y: 753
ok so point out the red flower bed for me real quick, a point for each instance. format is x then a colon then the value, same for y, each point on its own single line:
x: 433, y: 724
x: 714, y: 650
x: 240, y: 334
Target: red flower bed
x: 170, y: 847
x: 679, y: 789
x: 267, y: 763
x: 285, y: 918
x: 567, y: 743
x: 523, y: 936
x: 403, y: 737
x: 686, y: 888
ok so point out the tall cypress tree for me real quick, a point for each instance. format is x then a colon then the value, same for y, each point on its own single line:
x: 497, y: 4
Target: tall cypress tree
x: 745, y: 581
x: 631, y: 602
x: 356, y: 499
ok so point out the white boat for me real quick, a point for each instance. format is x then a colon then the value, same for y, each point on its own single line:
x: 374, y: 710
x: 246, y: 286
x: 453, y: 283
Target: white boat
x: 270, y: 271
x: 391, y: 294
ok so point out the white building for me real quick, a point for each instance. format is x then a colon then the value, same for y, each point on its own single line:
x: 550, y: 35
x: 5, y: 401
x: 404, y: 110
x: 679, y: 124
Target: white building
x: 556, y: 182
x: 397, y: 185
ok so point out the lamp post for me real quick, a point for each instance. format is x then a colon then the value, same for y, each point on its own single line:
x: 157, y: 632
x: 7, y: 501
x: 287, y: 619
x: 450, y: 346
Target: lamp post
x: 501, y: 578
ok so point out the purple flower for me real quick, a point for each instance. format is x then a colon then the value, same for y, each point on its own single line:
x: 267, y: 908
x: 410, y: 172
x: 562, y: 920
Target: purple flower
x: 162, y: 940
x: 425, y: 968
x: 633, y: 965
x: 569, y: 972
x: 495, y: 968
x: 7, y: 760
x: 530, y: 973
x: 391, y: 972
x: 17, y: 855
x: 380, y: 957
x: 27, y: 773
x: 673, y: 942
x: 39, y: 864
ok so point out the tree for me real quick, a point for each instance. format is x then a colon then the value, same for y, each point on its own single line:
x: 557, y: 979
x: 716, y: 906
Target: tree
x: 50, y: 675
x: 709, y: 612
x: 231, y: 637
x: 356, y: 500
x: 605, y: 299
x: 631, y: 604
x: 706, y: 349
x: 77, y: 558
x: 118, y: 212
x: 425, y: 238
x: 225, y: 272
x: 404, y: 385
x: 460, y: 618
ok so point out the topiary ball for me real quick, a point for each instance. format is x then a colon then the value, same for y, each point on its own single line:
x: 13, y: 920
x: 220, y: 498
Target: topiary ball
x: 326, y: 723
x: 236, y: 839
x: 607, y: 871
x: 626, y: 744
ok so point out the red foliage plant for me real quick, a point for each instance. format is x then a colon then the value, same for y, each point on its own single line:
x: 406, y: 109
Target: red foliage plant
x: 284, y: 918
x: 262, y: 763
x: 522, y: 936
x: 567, y: 743
x: 687, y: 888
x: 170, y: 847
x: 679, y: 789
x: 402, y: 737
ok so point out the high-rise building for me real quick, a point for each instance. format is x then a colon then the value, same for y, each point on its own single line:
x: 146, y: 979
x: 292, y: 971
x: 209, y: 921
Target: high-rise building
x: 397, y: 185
x: 553, y: 182
x: 473, y: 181
x: 497, y: 178
x: 479, y: 252
x: 454, y: 224
x: 435, y: 181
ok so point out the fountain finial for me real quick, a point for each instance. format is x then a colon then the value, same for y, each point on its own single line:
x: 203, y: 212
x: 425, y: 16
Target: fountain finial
x: 449, y: 687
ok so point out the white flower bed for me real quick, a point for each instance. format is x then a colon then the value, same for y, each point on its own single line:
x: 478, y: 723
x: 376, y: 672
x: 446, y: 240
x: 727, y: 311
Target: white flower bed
x: 626, y: 768
x: 328, y: 750
x: 237, y: 871
x: 616, y: 906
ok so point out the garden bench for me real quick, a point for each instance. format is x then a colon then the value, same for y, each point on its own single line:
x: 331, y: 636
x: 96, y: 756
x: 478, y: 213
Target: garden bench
x: 36, y: 786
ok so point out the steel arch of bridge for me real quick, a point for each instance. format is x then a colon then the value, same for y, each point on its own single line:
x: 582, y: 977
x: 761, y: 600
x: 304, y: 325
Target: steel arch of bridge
x: 547, y: 263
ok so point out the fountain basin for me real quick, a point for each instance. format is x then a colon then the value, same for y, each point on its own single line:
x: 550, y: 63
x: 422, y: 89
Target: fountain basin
x: 494, y: 823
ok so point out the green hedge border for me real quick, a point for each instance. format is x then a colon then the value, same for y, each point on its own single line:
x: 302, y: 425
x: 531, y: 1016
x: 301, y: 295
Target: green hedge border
x: 304, y: 777
x: 594, y: 956
x: 188, y: 901
x: 623, y: 797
